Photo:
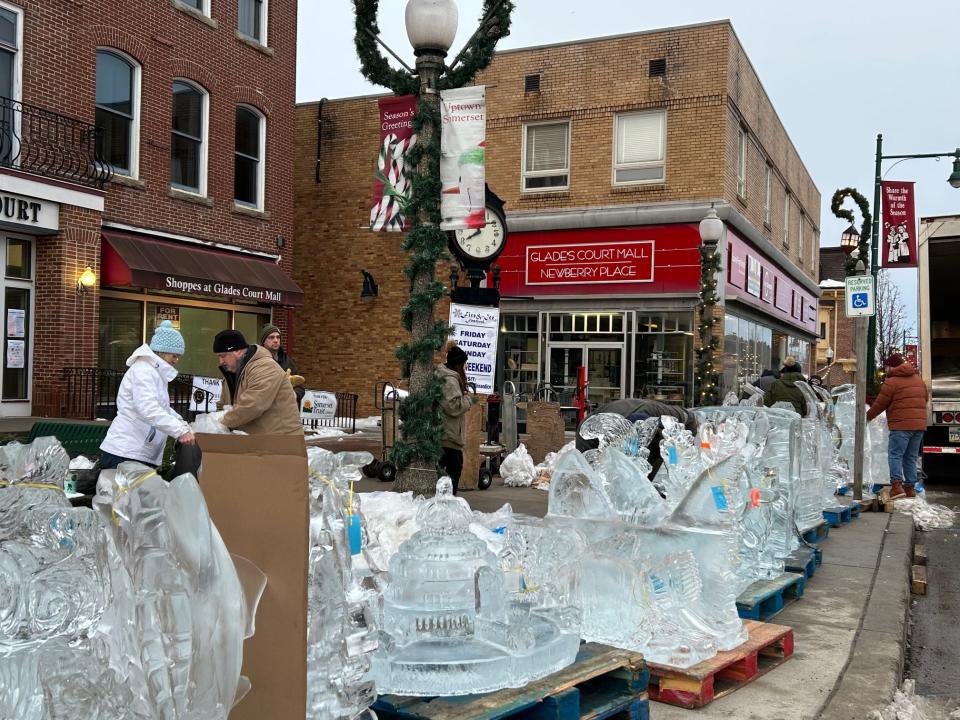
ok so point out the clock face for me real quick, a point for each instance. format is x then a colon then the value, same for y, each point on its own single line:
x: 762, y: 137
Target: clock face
x: 482, y: 243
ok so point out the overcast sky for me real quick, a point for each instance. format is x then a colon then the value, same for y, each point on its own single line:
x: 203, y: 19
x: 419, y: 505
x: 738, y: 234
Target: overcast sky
x: 837, y: 74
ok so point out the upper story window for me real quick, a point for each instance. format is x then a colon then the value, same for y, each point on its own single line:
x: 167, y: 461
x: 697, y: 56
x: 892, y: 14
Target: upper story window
x: 786, y: 219
x: 640, y: 147
x: 248, y: 177
x: 9, y: 53
x: 800, y: 240
x: 188, y: 148
x: 741, y: 162
x: 252, y: 19
x: 202, y: 5
x: 546, y: 156
x: 117, y: 111
x: 766, y: 196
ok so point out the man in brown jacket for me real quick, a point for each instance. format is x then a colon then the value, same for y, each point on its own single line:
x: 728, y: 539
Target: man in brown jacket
x: 256, y: 386
x: 903, y: 397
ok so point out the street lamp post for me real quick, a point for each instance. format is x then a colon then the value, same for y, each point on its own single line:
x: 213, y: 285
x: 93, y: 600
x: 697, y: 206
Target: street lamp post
x: 711, y: 231
x: 953, y: 179
x: 431, y: 28
x: 860, y: 426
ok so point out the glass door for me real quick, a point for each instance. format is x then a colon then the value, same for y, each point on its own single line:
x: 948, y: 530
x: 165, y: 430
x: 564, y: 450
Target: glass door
x: 605, y: 374
x: 18, y: 326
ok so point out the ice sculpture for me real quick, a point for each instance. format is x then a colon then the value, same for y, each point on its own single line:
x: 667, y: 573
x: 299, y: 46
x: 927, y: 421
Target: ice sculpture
x: 448, y: 625
x: 652, y: 580
x: 341, y: 633
x: 822, y: 413
x: 190, y: 612
x: 613, y: 430
x: 876, y: 469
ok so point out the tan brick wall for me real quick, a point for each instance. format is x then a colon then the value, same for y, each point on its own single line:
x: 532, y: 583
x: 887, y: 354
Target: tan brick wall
x: 346, y: 345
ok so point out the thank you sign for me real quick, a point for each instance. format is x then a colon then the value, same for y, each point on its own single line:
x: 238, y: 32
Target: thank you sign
x: 475, y: 332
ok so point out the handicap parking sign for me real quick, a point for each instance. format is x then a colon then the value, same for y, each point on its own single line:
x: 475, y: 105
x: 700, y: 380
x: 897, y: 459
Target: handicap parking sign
x: 860, y: 296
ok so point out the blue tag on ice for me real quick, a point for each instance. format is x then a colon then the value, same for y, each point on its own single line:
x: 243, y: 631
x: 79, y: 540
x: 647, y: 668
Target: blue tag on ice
x: 672, y: 455
x: 500, y: 530
x: 353, y: 533
x: 719, y: 498
x: 658, y: 584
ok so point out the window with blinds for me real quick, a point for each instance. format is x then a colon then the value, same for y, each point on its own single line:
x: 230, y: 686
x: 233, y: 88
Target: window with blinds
x: 546, y: 156
x: 640, y: 147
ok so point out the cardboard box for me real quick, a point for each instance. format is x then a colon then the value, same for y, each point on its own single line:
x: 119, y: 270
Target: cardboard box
x: 256, y: 490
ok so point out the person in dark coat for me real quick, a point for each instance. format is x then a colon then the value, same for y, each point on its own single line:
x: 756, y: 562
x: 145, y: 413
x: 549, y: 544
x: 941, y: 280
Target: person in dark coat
x: 270, y: 338
x: 766, y: 379
x: 903, y: 397
x: 634, y: 409
x: 784, y: 388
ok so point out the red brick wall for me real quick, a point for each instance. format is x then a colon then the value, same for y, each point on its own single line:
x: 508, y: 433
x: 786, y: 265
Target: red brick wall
x: 60, y: 40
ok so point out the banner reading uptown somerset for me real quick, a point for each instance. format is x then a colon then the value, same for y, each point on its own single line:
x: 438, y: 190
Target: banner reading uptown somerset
x: 463, y: 145
x: 899, y: 229
x: 391, y: 188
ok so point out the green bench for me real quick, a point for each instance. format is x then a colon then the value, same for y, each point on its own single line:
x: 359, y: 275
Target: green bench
x: 76, y: 438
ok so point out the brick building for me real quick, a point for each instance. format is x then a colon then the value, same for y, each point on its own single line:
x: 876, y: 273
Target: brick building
x: 836, y: 330
x: 148, y: 143
x: 617, y: 145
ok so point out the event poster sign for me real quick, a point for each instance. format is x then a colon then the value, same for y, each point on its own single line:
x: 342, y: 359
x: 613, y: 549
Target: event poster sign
x: 199, y: 399
x: 391, y: 186
x: 463, y: 142
x: 475, y: 331
x: 899, y: 229
x: 16, y: 323
x: 318, y: 405
x: 16, y: 354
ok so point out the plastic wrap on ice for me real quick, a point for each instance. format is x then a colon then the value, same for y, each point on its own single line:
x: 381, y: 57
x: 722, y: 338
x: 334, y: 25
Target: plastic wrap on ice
x: 517, y: 468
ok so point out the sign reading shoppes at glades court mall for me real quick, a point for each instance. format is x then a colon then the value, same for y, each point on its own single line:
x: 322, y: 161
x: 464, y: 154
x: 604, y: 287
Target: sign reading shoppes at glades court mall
x: 590, y: 263
x: 230, y: 290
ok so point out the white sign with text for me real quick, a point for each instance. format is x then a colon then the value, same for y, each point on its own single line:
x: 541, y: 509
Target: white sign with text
x: 200, y: 401
x: 318, y: 405
x: 475, y: 331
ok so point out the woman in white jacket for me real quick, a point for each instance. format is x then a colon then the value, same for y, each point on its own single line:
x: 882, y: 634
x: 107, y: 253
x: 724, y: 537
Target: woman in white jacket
x: 144, y: 416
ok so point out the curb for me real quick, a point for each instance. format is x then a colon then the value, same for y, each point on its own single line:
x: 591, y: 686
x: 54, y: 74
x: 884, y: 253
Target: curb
x: 874, y: 667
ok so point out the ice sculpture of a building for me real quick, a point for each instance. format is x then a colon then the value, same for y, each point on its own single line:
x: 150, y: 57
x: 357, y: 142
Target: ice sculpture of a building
x: 449, y: 626
x: 190, y: 612
x: 341, y: 633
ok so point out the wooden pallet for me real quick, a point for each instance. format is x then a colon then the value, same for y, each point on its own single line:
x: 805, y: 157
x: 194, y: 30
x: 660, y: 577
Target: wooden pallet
x: 768, y: 646
x: 765, y: 598
x: 603, y: 682
x: 804, y: 560
x: 816, y: 534
x: 838, y: 515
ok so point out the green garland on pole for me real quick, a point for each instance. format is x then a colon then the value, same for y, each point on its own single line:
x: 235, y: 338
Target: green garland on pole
x: 426, y: 243
x: 836, y: 207
x: 706, y: 371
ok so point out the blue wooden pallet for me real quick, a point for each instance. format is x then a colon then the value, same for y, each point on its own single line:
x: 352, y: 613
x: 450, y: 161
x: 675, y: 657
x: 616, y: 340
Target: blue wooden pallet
x: 816, y: 534
x: 839, y: 515
x: 804, y: 560
x: 765, y: 598
x: 603, y: 682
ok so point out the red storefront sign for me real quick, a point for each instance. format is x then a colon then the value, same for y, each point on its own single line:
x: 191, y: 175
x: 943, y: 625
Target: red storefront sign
x: 591, y: 263
x: 899, y: 230
x: 647, y: 260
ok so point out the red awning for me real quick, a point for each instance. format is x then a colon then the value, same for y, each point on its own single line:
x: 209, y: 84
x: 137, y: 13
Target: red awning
x: 131, y: 260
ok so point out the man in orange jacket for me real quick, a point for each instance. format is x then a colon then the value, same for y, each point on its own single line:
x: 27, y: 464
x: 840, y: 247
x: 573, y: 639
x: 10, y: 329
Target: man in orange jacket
x: 903, y: 397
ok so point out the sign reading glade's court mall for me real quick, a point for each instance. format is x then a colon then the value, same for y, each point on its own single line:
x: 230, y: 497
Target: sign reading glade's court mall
x: 230, y: 290
x: 629, y: 261
x: 29, y: 214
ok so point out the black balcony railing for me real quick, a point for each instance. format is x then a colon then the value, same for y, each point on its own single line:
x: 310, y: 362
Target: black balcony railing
x: 91, y: 394
x: 46, y: 143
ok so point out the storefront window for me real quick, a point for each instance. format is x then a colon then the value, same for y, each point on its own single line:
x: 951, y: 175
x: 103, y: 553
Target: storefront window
x: 121, y: 332
x: 250, y: 325
x: 747, y: 352
x: 663, y: 361
x: 198, y: 326
x: 18, y: 259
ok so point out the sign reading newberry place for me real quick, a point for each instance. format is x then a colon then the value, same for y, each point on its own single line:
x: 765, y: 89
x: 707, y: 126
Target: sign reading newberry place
x: 590, y: 263
x: 475, y: 332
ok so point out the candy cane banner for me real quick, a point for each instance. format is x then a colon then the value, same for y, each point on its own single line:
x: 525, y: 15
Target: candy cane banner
x: 463, y: 144
x: 391, y: 188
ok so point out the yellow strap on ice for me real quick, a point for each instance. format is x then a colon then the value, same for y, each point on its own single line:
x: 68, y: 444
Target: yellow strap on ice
x: 127, y: 488
x: 36, y: 486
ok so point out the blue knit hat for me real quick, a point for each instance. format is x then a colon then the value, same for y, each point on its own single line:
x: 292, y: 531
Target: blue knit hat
x: 166, y: 338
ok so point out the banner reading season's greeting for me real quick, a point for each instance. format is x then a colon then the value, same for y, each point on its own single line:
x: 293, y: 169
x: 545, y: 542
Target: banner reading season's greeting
x: 899, y: 229
x: 391, y: 188
x: 463, y: 144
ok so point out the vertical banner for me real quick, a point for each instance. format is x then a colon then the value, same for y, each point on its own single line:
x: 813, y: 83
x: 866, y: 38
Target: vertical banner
x: 899, y: 230
x: 475, y: 332
x: 391, y: 187
x: 463, y: 145
x: 912, y: 355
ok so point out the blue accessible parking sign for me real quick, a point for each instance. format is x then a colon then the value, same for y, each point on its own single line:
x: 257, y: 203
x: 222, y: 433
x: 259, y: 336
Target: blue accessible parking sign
x: 860, y: 296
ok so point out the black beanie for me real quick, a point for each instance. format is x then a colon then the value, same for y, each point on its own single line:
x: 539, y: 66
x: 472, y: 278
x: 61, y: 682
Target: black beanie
x: 455, y: 356
x: 227, y: 340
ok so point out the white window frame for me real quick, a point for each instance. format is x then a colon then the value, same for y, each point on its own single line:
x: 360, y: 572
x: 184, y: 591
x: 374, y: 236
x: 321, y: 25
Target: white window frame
x: 524, y: 174
x: 261, y: 161
x: 766, y: 201
x: 786, y: 218
x: 662, y: 163
x: 264, y: 16
x: 204, y: 8
x: 17, y: 78
x: 741, y: 162
x: 204, y: 137
x: 134, y: 171
x: 25, y: 284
